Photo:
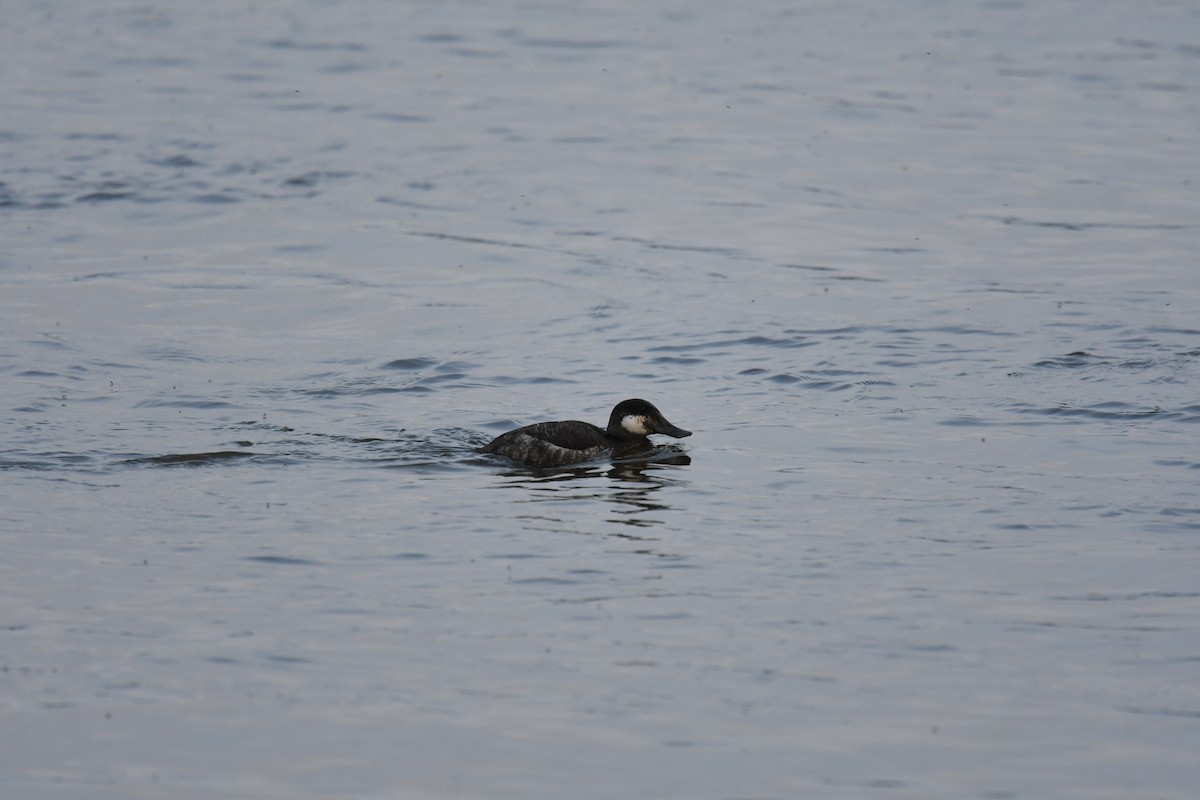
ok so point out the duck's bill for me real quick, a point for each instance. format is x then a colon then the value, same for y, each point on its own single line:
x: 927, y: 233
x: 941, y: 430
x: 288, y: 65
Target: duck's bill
x: 670, y: 430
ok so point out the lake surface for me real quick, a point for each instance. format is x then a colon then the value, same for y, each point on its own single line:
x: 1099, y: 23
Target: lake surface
x: 922, y: 278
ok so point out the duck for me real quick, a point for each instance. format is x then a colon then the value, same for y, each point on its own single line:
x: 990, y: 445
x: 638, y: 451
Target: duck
x: 553, y: 444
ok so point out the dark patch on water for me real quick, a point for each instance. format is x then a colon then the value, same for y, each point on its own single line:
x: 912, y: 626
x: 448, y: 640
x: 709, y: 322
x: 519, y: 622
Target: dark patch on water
x: 309, y: 179
x: 282, y: 658
x: 1104, y: 597
x: 191, y: 459
x: 809, y: 267
x: 727, y: 252
x: 215, y: 198
x: 545, y: 581
x: 570, y: 44
x: 410, y: 363
x: 283, y: 561
x: 676, y: 360
x: 1184, y: 713
x: 7, y: 196
x: 395, y: 116
x: 103, y: 196
x: 287, y: 43
x: 179, y: 161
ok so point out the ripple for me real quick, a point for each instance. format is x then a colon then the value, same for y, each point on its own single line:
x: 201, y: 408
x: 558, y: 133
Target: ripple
x: 751, y: 341
x: 38, y: 462
x: 1110, y: 411
x: 200, y: 404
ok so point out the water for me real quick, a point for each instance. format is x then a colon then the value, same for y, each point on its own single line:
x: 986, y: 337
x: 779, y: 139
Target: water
x: 922, y: 283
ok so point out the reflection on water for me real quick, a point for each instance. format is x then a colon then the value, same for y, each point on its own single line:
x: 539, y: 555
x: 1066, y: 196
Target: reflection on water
x: 632, y: 485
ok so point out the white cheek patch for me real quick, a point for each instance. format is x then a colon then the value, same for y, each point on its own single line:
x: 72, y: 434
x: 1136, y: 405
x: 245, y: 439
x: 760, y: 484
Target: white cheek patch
x: 635, y: 425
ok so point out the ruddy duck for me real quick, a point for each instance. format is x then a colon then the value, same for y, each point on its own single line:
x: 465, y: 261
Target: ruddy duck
x: 553, y: 444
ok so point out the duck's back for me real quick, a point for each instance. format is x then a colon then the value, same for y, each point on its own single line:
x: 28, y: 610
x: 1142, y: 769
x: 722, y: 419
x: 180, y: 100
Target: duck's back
x: 552, y: 443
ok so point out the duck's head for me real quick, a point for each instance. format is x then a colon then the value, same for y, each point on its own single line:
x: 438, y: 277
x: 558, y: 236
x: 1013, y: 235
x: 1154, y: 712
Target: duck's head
x: 632, y: 419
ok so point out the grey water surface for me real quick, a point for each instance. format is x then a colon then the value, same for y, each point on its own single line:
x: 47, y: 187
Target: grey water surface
x: 921, y: 277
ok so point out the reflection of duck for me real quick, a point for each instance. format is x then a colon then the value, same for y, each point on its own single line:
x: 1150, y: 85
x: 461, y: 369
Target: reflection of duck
x: 550, y: 444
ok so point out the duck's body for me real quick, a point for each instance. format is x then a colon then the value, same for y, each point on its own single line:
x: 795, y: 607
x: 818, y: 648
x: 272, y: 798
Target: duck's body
x: 553, y: 444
